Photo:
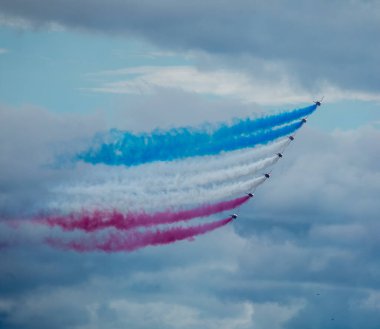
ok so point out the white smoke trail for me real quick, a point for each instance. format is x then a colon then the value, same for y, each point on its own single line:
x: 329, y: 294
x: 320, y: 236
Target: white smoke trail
x: 223, y: 160
x: 125, y: 184
x: 194, y: 164
x: 223, y: 175
x: 164, y: 172
x: 103, y: 199
x: 100, y: 186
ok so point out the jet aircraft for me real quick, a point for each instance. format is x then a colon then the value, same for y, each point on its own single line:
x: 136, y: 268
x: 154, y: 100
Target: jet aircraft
x: 319, y: 103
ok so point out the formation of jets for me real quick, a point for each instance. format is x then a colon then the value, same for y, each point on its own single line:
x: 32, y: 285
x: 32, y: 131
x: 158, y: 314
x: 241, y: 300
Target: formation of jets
x: 267, y: 175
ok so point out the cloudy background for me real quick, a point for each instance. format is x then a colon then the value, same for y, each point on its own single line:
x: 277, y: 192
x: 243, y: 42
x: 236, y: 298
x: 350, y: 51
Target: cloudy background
x: 304, y: 252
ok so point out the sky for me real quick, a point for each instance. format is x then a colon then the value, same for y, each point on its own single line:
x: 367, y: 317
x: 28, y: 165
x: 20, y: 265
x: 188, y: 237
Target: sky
x: 303, y: 252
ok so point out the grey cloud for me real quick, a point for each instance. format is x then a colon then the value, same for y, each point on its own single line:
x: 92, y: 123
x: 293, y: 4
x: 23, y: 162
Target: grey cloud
x: 31, y: 139
x: 314, y: 225
x: 114, y: 289
x: 344, y: 310
x: 320, y: 41
x: 337, y: 172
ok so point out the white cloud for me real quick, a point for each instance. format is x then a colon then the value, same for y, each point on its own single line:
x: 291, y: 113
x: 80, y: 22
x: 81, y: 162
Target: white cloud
x: 14, y: 22
x: 372, y: 301
x: 3, y: 51
x: 147, y: 79
x: 279, y: 89
x: 25, y: 24
x: 274, y: 315
x: 152, y: 314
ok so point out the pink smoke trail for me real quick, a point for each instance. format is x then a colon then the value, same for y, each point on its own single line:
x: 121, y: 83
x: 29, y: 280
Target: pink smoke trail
x: 101, y: 219
x: 133, y: 240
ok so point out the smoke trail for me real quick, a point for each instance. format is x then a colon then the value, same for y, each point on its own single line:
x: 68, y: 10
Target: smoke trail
x: 133, y: 240
x: 249, y: 125
x: 101, y: 219
x: 219, y: 176
x: 125, y: 184
x: 243, y: 156
x: 212, y: 162
x: 129, y: 149
x: 123, y: 193
x: 85, y: 176
x: 252, y: 140
x: 102, y: 198
x: 113, y: 187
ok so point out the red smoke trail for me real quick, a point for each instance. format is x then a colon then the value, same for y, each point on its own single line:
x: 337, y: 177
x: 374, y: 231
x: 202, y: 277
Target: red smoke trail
x: 134, y: 239
x: 97, y: 220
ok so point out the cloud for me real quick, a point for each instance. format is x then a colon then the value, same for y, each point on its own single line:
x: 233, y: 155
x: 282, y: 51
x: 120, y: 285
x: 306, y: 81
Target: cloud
x: 315, y: 43
x: 3, y: 51
x: 318, y: 213
x: 146, y: 80
x: 31, y: 139
x: 223, y: 83
x: 337, y: 179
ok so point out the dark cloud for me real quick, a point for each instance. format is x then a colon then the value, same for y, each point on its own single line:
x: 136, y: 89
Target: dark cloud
x: 331, y: 41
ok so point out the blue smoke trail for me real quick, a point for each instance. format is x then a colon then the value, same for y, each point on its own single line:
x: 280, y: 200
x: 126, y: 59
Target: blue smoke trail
x: 244, y: 141
x: 250, y: 125
x: 133, y: 150
x: 125, y: 148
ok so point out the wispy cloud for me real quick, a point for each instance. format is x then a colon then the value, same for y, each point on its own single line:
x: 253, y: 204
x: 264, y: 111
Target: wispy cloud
x: 21, y: 23
x: 3, y: 51
x: 221, y: 83
x: 14, y: 22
